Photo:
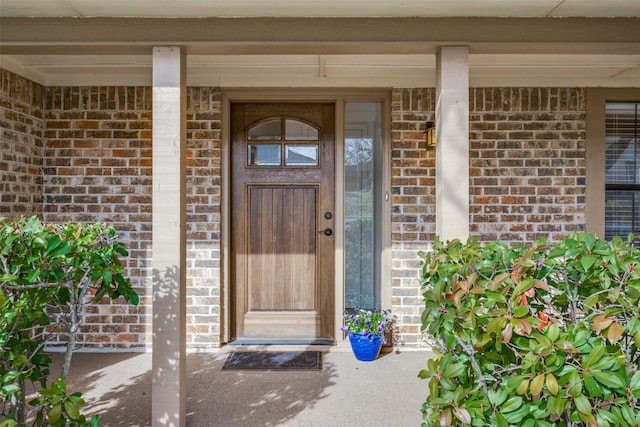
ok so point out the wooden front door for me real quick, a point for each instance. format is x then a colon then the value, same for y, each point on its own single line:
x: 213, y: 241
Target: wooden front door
x: 282, y: 220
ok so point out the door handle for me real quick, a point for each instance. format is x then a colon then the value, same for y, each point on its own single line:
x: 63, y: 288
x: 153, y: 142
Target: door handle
x: 327, y: 231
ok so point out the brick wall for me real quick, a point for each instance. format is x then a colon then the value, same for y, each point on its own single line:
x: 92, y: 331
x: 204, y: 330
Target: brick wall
x: 204, y: 157
x: 527, y: 163
x: 527, y: 176
x: 21, y: 145
x: 97, y: 167
x: 413, y: 204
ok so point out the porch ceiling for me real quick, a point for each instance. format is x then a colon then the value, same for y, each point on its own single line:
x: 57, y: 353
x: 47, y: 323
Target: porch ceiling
x: 409, y: 70
x: 325, y: 8
x: 334, y: 43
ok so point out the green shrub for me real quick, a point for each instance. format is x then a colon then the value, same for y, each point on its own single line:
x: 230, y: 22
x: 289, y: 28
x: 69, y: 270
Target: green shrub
x: 48, y: 272
x: 538, y: 335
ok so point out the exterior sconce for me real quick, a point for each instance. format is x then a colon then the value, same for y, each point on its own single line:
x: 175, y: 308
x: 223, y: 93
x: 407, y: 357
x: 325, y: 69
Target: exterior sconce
x: 431, y: 134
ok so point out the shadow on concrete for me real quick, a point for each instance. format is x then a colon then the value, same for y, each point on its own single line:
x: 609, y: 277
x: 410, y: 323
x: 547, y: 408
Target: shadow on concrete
x: 252, y: 397
x: 118, y: 387
x: 345, y: 392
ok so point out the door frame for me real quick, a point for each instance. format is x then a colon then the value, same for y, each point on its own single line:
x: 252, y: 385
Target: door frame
x: 339, y: 97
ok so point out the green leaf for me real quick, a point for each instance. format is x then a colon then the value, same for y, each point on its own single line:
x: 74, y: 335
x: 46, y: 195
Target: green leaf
x: 604, y: 364
x: 524, y: 286
x: 33, y: 275
x: 502, y: 422
x: 496, y: 297
x: 498, y: 280
x: 71, y: 409
x: 453, y: 370
x: 633, y: 326
x: 609, y: 379
x: 424, y: 374
x: 587, y: 261
x: 628, y: 415
x: 517, y: 415
x: 77, y: 399
x: 591, y: 301
x: 575, y: 384
x: 552, y: 332
x: 8, y: 389
x: 8, y: 278
x: 521, y: 311
x: 594, y: 355
x: 53, y: 243
x: 582, y: 404
x: 514, y: 382
x: 64, y: 296
x: 634, y: 381
x: 55, y: 413
x: 497, y: 396
x: 133, y: 297
x: 106, y: 277
x: 60, y: 251
x: 592, y: 387
x: 59, y: 386
x: 512, y: 404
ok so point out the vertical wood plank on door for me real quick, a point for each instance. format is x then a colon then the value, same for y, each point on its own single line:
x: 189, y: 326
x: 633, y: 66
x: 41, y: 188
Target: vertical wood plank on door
x: 298, y: 270
x: 281, y: 248
x: 306, y: 272
x: 287, y: 261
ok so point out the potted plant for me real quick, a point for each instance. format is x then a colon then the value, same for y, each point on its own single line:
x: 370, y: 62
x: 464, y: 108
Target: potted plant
x: 367, y: 329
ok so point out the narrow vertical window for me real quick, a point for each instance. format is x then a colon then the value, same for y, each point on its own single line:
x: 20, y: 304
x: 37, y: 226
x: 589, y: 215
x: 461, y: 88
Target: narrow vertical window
x: 622, y: 170
x: 362, y: 171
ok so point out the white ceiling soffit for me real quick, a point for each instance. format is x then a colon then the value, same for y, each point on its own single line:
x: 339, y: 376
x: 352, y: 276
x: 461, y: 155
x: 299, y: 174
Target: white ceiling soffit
x: 325, y: 8
x: 230, y: 71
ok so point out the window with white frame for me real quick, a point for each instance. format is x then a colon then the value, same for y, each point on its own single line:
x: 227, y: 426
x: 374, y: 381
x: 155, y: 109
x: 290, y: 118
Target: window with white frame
x: 622, y: 170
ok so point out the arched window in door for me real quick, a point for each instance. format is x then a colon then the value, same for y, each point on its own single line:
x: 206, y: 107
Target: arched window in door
x: 282, y: 142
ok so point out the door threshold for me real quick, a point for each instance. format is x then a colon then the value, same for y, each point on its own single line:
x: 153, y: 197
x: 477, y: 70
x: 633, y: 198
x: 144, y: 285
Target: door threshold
x: 281, y: 344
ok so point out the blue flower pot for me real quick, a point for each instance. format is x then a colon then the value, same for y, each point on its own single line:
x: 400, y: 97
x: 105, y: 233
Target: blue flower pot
x: 365, y: 348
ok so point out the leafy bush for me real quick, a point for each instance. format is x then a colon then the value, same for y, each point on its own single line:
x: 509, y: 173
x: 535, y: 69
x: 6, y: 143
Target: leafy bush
x: 48, y: 272
x: 538, y: 335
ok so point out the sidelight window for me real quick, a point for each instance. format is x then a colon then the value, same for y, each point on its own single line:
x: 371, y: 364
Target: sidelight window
x: 363, y: 180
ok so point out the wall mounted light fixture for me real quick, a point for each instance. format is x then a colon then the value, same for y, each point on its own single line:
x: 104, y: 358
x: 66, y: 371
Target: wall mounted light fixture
x: 431, y: 134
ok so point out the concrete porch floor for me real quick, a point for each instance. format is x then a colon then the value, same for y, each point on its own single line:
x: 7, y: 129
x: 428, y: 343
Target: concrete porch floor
x: 346, y: 392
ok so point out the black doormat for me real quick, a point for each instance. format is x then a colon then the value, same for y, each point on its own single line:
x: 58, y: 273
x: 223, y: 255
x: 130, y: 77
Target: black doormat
x: 288, y: 360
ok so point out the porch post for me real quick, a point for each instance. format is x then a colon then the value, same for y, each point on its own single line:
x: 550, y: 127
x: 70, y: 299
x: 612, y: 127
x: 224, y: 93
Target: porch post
x: 452, y: 143
x: 168, y: 407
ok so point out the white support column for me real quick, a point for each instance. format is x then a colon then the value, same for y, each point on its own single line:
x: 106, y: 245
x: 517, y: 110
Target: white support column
x: 168, y: 395
x: 452, y: 143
